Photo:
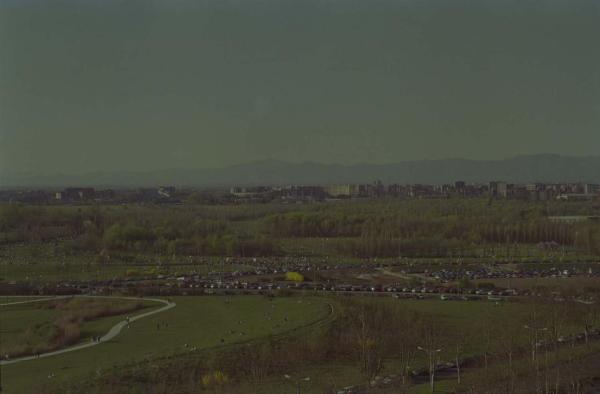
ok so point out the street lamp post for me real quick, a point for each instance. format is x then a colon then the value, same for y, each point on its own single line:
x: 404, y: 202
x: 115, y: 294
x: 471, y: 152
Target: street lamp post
x: 431, y: 355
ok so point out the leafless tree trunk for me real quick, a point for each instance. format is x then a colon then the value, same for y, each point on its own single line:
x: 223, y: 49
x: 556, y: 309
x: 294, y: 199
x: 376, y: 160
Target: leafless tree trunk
x: 433, y: 335
x: 457, y: 361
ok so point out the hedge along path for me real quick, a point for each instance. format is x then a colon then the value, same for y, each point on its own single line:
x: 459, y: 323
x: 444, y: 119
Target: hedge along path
x: 113, y: 332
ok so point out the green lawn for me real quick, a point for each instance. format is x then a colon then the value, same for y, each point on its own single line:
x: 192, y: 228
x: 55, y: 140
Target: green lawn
x: 200, y: 322
x: 464, y: 318
x: 49, y: 271
x: 17, y: 319
x: 212, y: 322
x: 337, y: 374
x: 31, y: 325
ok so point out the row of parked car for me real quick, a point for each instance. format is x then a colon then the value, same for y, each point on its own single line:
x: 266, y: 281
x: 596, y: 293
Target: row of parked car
x: 447, y: 292
x: 447, y: 275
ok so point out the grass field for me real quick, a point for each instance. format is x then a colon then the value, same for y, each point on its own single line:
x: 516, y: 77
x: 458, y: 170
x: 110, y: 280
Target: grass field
x: 59, y: 272
x: 463, y: 318
x: 200, y: 323
x: 215, y: 322
x: 334, y: 375
x: 18, y: 319
x: 31, y: 325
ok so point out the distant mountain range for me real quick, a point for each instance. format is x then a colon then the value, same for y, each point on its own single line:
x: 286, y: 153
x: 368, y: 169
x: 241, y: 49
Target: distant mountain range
x: 519, y: 169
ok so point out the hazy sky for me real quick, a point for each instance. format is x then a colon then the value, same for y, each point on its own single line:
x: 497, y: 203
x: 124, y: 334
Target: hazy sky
x: 105, y: 85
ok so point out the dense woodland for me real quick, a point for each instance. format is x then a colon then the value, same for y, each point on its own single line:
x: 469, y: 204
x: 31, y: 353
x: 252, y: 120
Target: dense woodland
x: 416, y: 228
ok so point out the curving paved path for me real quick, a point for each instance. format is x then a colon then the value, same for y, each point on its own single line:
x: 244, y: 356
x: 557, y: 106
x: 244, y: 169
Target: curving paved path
x: 34, y: 299
x: 113, y: 332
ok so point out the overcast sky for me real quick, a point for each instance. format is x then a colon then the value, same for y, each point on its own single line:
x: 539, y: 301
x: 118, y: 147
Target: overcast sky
x: 91, y: 85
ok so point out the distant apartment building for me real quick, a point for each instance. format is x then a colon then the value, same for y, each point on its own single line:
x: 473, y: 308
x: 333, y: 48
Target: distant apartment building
x: 303, y: 192
x: 338, y: 191
x: 494, y: 189
x: 376, y: 189
x: 520, y: 192
x: 359, y: 190
x: 541, y: 191
x: 589, y: 188
x: 74, y: 194
x: 396, y: 190
x: 498, y: 189
x: 475, y: 190
x: 421, y: 191
x: 353, y: 190
x: 460, y: 188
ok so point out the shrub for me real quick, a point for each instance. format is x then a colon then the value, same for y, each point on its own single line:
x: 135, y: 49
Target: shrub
x: 217, y: 378
x: 294, y: 276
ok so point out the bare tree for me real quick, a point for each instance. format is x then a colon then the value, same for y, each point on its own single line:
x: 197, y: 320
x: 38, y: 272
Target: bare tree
x: 432, y: 339
x: 510, y: 335
x: 590, y: 318
x: 402, y: 344
x: 460, y: 340
x: 366, y: 331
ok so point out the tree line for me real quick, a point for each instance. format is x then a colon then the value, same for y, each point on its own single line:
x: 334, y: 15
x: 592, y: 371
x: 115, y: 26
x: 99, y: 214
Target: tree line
x: 375, y: 228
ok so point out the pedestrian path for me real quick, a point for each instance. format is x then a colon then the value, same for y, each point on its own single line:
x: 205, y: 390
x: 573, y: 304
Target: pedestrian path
x: 113, y: 332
